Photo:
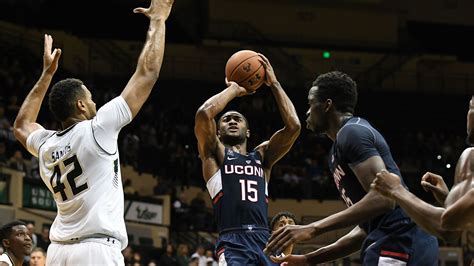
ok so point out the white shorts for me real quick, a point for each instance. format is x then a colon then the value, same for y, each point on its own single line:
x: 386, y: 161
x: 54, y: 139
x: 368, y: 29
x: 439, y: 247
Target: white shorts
x: 90, y: 251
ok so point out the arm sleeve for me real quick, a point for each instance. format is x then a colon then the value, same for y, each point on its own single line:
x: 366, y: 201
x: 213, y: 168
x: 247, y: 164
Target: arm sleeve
x: 357, y: 143
x: 108, y: 122
x: 36, y: 139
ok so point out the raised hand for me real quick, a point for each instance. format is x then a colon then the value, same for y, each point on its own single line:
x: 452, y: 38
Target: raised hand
x: 286, y: 236
x: 159, y: 9
x: 386, y: 183
x: 50, y: 59
x: 436, y: 185
x: 290, y: 260
x: 270, y: 76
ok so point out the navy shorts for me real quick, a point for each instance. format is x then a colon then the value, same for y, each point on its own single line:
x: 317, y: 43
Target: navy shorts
x: 400, y: 243
x: 241, y: 247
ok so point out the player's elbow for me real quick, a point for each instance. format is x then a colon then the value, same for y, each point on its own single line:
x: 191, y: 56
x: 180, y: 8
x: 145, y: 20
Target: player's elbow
x: 19, y: 133
x: 451, y: 219
x: 448, y: 220
x: 18, y: 127
x: 203, y: 113
x: 149, y: 72
x: 294, y: 127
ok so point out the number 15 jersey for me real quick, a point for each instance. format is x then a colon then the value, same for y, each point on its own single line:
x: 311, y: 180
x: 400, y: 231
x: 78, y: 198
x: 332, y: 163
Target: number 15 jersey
x: 239, y: 192
x: 80, y: 166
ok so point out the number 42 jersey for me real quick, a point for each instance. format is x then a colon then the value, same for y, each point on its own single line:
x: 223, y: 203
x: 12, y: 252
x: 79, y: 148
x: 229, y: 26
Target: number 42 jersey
x: 80, y: 166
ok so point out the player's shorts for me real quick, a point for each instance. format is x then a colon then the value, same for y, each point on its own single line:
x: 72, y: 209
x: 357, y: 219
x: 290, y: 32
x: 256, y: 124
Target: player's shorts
x: 243, y: 247
x: 400, y: 243
x: 89, y: 251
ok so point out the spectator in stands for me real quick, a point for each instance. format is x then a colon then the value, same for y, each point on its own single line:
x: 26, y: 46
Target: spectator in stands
x: 130, y: 146
x: 128, y: 255
x: 198, y: 211
x: 153, y: 263
x: 182, y: 256
x: 13, y: 107
x: 194, y: 260
x: 3, y: 154
x: 17, y: 162
x: 168, y: 258
x: 43, y: 241
x: 180, y: 215
x: 31, y: 232
x: 5, y: 124
x: 128, y: 188
x: 34, y: 168
x: 210, y: 258
x: 137, y: 258
x: 38, y: 257
x: 200, y: 254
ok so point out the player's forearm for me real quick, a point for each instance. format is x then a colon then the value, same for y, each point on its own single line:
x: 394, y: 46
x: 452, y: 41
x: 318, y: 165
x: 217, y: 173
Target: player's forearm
x: 151, y: 57
x: 140, y: 85
x: 343, y: 247
x: 286, y: 108
x: 30, y: 108
x: 425, y: 215
x: 217, y: 103
x: 372, y: 205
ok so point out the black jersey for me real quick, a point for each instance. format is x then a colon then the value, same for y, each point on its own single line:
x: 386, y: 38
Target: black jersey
x: 239, y: 192
x: 355, y: 142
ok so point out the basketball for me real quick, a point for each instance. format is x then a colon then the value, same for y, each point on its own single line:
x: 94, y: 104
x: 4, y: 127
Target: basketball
x: 244, y: 69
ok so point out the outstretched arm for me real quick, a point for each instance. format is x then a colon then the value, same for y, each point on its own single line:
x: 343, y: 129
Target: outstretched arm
x: 139, y: 86
x: 371, y: 205
x: 343, y: 247
x: 25, y: 122
x: 205, y: 127
x: 281, y: 142
x: 425, y: 215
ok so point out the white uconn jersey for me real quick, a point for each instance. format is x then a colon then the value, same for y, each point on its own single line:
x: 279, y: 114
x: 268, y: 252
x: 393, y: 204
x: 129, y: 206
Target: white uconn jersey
x: 80, y: 166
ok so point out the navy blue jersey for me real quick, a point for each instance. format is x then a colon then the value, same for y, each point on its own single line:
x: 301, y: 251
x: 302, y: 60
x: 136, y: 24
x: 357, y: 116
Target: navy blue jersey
x: 239, y: 192
x: 356, y: 142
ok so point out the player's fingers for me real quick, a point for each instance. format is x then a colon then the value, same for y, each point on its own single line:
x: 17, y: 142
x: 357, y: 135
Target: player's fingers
x: 47, y: 44
x: 264, y: 58
x: 373, y: 186
x: 285, y: 242
x: 279, y: 259
x: 426, y: 176
x: 429, y: 187
x: 278, y: 244
x: 275, y: 234
x: 273, y: 241
x: 265, y: 65
x: 140, y: 10
x: 56, y: 54
x: 425, y: 185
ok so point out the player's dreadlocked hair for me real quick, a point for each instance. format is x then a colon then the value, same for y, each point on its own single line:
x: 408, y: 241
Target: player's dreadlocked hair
x: 63, y: 97
x: 340, y: 88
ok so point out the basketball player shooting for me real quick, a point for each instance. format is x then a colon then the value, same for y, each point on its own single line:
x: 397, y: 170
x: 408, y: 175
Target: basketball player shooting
x: 237, y: 179
x: 80, y: 164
